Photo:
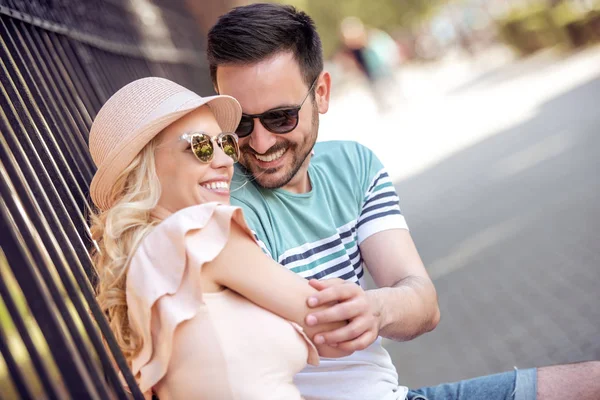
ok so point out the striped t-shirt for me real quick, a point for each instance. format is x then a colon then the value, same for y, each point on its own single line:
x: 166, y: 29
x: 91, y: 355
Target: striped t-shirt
x: 317, y: 235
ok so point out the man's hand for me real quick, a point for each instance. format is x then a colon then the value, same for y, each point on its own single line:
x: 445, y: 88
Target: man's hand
x: 350, y: 303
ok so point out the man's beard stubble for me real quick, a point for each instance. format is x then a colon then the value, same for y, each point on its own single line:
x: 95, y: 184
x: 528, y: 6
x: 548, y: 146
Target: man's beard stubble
x: 297, y: 160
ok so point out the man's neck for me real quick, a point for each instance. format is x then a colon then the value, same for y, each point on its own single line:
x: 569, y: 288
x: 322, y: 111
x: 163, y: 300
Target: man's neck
x: 300, y: 183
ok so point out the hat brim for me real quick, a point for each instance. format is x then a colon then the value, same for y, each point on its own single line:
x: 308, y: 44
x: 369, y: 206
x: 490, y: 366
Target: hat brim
x: 225, y: 109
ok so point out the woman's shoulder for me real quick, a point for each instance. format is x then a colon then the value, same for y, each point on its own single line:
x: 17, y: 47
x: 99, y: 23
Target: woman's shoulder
x: 196, y: 216
x: 178, y: 225
x: 162, y: 281
x: 166, y: 243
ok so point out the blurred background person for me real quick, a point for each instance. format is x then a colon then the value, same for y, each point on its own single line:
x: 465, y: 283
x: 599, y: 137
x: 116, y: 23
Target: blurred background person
x: 376, y: 55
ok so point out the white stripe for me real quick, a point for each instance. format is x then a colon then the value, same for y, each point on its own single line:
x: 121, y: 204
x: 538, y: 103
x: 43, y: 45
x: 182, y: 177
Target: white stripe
x: 308, y: 246
x: 354, y: 240
x: 351, y: 239
x: 338, y: 273
x: 324, y: 266
x: 393, y: 221
x: 314, y: 257
x: 331, y: 263
x: 261, y: 244
x: 305, y: 247
x: 351, y: 250
x: 385, y: 199
x: 359, y: 269
x: 370, y: 190
x: 356, y: 258
x: 347, y: 227
x: 379, y: 211
x: 387, y: 190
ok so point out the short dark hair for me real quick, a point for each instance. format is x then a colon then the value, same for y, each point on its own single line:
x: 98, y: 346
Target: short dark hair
x: 250, y: 34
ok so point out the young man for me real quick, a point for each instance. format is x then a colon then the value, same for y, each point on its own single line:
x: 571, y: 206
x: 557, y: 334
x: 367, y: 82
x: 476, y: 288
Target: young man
x: 327, y: 210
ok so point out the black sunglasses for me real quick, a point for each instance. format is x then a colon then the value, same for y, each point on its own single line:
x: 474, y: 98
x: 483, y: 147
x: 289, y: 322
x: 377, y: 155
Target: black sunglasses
x: 278, y: 120
x: 203, y: 146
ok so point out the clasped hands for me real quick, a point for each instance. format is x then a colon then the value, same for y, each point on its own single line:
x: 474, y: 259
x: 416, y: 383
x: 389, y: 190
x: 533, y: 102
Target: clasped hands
x: 348, y: 302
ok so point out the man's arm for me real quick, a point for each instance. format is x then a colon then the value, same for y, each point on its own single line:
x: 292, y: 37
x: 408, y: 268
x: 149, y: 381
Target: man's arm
x: 406, y: 299
x: 402, y: 308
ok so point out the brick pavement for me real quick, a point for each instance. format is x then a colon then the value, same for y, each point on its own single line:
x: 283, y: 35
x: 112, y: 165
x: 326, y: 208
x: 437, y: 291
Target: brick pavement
x: 509, y: 229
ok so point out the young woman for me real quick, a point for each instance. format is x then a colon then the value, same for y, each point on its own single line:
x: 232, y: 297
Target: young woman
x: 196, y: 306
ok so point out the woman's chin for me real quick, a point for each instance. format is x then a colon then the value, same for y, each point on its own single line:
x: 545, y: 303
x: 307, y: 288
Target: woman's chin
x: 215, y: 195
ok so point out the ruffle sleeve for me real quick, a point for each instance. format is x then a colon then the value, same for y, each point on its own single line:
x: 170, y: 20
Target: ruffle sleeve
x: 313, y: 354
x: 163, y: 289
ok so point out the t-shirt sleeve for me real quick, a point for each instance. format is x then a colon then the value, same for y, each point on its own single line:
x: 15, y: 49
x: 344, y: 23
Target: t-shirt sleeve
x: 380, y: 208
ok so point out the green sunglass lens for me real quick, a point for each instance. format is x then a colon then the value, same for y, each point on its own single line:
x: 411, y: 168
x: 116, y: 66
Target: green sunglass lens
x: 229, y: 146
x: 203, y: 148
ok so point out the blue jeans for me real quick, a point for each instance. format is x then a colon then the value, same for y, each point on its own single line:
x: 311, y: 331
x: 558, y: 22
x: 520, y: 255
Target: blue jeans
x: 515, y: 385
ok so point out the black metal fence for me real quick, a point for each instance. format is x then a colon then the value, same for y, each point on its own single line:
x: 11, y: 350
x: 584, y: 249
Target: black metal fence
x: 59, y: 61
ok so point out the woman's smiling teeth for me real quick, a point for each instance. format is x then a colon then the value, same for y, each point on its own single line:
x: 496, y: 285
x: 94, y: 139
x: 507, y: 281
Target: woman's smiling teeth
x: 219, y: 185
x: 270, y: 157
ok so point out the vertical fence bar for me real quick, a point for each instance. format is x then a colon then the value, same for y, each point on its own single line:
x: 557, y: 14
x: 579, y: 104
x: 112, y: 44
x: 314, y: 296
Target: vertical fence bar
x: 77, y: 380
x: 21, y: 327
x: 60, y: 60
x: 13, y: 368
x: 68, y: 141
x: 21, y: 170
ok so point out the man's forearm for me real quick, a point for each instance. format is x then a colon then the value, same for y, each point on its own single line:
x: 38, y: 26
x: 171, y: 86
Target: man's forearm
x: 406, y: 310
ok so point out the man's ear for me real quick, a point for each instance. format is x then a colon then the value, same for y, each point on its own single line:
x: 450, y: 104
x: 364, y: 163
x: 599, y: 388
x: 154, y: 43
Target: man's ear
x: 323, y: 92
x: 216, y: 83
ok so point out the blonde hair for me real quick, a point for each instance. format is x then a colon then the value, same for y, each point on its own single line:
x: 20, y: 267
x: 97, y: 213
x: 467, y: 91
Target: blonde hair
x: 118, y: 231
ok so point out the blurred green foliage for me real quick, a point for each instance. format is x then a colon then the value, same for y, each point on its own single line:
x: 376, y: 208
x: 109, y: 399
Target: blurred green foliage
x: 388, y: 15
x: 536, y: 26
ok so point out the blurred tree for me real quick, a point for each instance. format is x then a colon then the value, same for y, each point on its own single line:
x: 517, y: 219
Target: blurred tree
x: 388, y: 15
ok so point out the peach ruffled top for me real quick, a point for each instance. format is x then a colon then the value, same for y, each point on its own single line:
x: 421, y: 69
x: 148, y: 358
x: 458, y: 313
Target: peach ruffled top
x: 200, y: 345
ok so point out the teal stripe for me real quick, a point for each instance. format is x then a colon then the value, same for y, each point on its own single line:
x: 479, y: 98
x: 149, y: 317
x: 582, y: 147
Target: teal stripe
x: 378, y: 188
x: 349, y: 245
x: 319, y: 261
x: 383, y: 185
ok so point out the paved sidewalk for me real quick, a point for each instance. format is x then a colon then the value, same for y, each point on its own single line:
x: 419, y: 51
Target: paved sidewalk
x: 500, y: 181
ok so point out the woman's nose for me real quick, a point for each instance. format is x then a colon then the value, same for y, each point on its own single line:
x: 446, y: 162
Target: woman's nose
x: 221, y: 159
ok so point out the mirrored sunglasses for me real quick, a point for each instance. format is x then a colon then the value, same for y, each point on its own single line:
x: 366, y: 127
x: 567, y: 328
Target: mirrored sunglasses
x: 203, y: 145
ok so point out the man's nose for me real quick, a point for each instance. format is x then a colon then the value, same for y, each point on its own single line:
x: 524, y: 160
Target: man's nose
x: 261, y: 140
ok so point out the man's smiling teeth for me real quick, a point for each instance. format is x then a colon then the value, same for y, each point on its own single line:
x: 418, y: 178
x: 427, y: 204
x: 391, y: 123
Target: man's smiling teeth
x: 215, y: 185
x: 270, y: 157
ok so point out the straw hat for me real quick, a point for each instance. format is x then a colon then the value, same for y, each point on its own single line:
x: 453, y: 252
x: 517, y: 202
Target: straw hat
x: 134, y: 115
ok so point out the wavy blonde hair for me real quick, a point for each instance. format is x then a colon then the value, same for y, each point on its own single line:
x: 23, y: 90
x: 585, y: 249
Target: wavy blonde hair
x: 117, y: 232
